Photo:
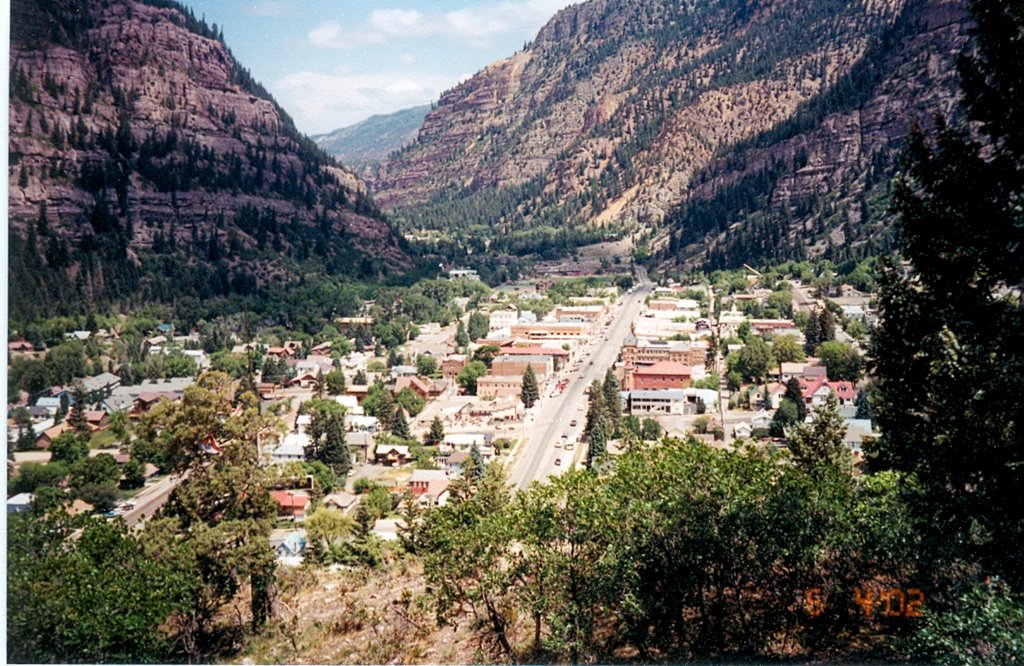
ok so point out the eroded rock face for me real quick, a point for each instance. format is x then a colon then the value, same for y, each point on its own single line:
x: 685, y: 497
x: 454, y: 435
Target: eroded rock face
x: 144, y: 110
x: 620, y: 104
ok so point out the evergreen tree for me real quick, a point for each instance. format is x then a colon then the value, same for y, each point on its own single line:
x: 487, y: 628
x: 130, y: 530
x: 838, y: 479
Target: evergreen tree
x: 796, y: 395
x: 477, y: 468
x: 863, y: 405
x: 530, y: 393
x: 399, y: 426
x: 610, y: 394
x: 76, y: 417
x: 360, y: 378
x: 436, y: 433
x: 333, y: 451
x: 820, y: 444
x: 812, y: 334
x: 598, y: 443
x: 595, y: 408
x: 461, y: 337
x: 948, y: 355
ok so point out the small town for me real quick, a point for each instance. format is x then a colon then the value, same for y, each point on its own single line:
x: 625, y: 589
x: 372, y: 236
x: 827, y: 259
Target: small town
x: 514, y: 332
x: 731, y: 364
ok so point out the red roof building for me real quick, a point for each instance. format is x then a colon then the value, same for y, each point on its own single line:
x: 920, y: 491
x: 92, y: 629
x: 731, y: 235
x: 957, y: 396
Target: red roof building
x: 661, y: 375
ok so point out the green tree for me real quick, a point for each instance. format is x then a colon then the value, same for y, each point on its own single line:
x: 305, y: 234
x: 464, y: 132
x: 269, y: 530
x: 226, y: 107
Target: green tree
x: 399, y: 425
x: 651, y: 430
x: 335, y: 382
x: 754, y: 361
x: 360, y: 378
x: 134, y: 475
x: 785, y: 416
x: 841, y: 361
x: 426, y: 365
x: 326, y: 433
x: 530, y: 393
x: 610, y: 390
x: 32, y: 476
x: 410, y: 401
x: 597, y: 444
x: 102, y: 496
x: 985, y: 626
x: 68, y: 448
x: 96, y: 598
x: 486, y: 354
x: 101, y: 469
x: 786, y: 349
x: 461, y: 337
x: 796, y: 395
x: 469, y: 375
x: 948, y: 353
x: 479, y: 324
x: 435, y: 435
x: 76, y: 417
x: 478, y: 467
x: 821, y: 442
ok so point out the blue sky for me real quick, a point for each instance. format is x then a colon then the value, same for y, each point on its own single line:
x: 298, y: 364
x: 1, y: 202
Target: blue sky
x: 334, y: 63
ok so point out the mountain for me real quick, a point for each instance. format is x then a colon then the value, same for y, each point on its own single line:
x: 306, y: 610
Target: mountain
x: 724, y: 130
x: 373, y: 139
x: 146, y: 165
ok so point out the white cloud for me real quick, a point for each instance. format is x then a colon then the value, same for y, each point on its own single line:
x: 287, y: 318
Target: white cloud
x: 323, y: 102
x: 473, y: 26
x: 271, y: 8
x: 408, y: 59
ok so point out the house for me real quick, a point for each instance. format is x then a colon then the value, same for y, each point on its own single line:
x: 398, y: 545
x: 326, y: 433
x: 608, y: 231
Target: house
x: 20, y: 347
x: 815, y: 391
x: 391, y: 454
x: 453, y: 462
x: 51, y: 405
x: 20, y: 503
x: 280, y: 352
x: 360, y: 423
x: 45, y: 440
x: 402, y: 371
x: 291, y: 503
x: 97, y: 419
x: 462, y: 274
x: 417, y: 385
x: 102, y: 385
x: 322, y: 349
x: 359, y: 445
x: 303, y: 380
x: 424, y: 479
x: 292, y: 547
x: 761, y: 421
x: 342, y: 501
x: 858, y: 430
x: 788, y: 371
x: 81, y: 336
x: 742, y: 431
x: 302, y: 421
x: 290, y: 449
x: 429, y: 485
x: 503, y: 319
x: 661, y: 375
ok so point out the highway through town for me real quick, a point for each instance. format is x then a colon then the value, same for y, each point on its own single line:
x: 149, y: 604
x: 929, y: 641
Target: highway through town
x: 543, y: 450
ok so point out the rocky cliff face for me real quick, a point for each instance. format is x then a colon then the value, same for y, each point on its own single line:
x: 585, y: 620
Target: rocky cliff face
x: 623, y: 112
x: 147, y: 164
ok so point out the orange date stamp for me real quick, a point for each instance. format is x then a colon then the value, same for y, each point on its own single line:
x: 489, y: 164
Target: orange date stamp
x: 873, y: 600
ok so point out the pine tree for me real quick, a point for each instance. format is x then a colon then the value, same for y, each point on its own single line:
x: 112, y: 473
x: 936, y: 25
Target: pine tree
x: 436, y: 433
x: 461, y: 337
x: 76, y: 417
x: 821, y: 444
x: 812, y: 336
x: 399, y: 426
x: 610, y: 394
x: 334, y: 450
x: 948, y: 353
x: 796, y: 395
x: 598, y: 443
x: 360, y: 378
x: 477, y: 468
x: 530, y: 393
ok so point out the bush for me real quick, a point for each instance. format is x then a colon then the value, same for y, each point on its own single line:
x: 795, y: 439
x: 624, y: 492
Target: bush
x: 985, y: 626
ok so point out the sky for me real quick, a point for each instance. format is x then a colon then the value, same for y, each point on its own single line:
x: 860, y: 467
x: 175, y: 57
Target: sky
x: 332, y: 63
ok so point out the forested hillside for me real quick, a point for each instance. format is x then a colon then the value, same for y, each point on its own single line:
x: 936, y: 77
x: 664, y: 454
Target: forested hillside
x: 373, y: 139
x: 146, y: 165
x: 776, y: 120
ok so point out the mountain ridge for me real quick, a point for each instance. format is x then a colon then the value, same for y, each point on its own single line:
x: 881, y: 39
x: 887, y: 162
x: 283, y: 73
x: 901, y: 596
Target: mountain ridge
x: 373, y: 139
x: 147, y: 165
x: 620, y: 114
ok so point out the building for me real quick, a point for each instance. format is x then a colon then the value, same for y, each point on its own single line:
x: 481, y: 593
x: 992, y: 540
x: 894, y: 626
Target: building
x: 391, y: 454
x: 516, y: 364
x: 452, y: 365
x: 546, y: 330
x: 428, y: 481
x: 499, y: 386
x: 648, y: 352
x: 290, y: 449
x: 503, y: 319
x: 579, y: 313
x: 661, y: 375
x: 20, y: 503
x: 664, y: 402
x: 463, y: 274
x: 291, y: 503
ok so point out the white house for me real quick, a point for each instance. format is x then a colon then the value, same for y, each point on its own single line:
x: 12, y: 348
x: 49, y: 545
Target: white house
x: 290, y: 449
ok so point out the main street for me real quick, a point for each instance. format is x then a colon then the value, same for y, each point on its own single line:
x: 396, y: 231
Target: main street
x: 543, y: 452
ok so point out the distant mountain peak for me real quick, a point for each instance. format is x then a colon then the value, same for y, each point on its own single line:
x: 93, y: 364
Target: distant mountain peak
x: 373, y: 139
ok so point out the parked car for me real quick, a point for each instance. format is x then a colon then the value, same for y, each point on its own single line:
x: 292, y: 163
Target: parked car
x: 558, y: 461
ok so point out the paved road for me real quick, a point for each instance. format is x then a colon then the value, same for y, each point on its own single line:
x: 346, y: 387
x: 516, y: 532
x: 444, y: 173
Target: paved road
x: 152, y: 498
x: 548, y: 421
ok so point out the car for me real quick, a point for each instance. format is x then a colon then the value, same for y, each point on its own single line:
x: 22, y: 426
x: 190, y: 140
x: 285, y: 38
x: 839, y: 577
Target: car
x: 572, y: 424
x: 570, y: 445
x: 558, y: 461
x: 558, y: 443
x: 128, y: 506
